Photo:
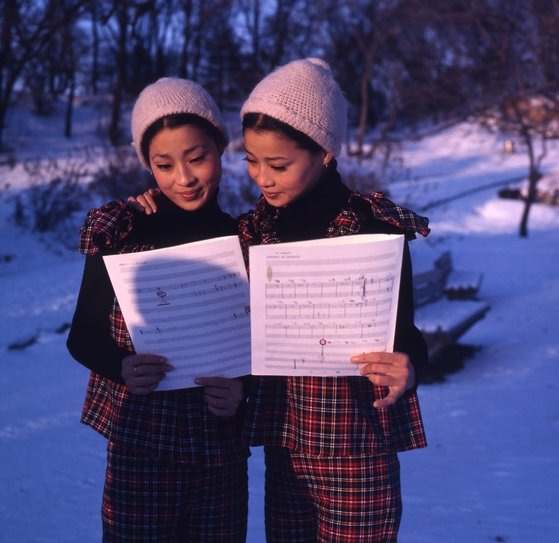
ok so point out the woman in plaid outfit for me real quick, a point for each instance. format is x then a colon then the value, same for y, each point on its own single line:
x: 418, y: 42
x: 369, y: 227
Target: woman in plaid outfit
x: 331, y: 444
x: 176, y: 468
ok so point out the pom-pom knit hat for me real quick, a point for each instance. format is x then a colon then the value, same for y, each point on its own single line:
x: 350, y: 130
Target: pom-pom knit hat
x: 168, y: 96
x: 304, y: 95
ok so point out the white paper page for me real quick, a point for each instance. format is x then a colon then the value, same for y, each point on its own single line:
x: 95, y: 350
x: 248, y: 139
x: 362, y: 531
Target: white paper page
x: 189, y: 303
x: 316, y: 303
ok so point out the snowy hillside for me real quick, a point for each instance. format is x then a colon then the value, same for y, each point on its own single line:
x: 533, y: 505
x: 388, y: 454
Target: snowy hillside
x: 490, y: 472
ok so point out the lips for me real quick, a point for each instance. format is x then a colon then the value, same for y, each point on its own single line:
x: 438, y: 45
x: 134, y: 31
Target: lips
x: 271, y: 195
x: 191, y: 195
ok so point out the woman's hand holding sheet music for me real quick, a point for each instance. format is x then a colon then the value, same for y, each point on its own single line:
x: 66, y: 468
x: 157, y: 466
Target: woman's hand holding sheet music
x: 392, y: 370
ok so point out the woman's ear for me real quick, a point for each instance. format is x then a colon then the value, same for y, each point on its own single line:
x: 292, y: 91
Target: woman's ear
x: 326, y: 159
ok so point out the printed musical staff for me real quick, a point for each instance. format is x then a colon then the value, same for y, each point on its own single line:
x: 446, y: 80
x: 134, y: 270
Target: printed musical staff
x: 317, y: 303
x: 189, y: 303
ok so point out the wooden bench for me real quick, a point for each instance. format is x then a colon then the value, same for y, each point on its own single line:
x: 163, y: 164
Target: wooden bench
x: 446, y: 303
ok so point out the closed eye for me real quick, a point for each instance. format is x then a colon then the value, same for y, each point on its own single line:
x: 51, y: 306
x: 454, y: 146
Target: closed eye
x: 198, y: 159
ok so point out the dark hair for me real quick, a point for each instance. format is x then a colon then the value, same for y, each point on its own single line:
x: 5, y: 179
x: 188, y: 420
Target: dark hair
x: 261, y: 121
x: 181, y: 119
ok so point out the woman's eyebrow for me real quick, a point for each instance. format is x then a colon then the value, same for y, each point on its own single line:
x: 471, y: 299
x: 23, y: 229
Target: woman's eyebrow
x: 267, y: 157
x: 192, y: 149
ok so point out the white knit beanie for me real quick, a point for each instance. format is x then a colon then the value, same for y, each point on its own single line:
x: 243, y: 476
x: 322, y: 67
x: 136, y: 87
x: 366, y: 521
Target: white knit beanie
x: 168, y: 96
x: 304, y: 95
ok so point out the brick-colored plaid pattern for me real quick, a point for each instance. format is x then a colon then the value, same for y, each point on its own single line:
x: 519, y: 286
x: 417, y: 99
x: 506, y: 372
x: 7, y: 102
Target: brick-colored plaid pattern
x: 361, y: 206
x: 104, y: 229
x: 352, y: 499
x: 332, y: 416
x: 150, y: 501
x: 172, y: 425
x: 257, y: 227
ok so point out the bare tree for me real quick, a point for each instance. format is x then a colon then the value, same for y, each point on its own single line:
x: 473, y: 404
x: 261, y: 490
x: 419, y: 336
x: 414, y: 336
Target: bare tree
x: 251, y: 11
x: 369, y: 43
x: 122, y: 16
x: 532, y: 121
x: 94, y: 19
x: 74, y: 47
x: 28, y: 27
x: 119, y: 18
x: 526, y: 106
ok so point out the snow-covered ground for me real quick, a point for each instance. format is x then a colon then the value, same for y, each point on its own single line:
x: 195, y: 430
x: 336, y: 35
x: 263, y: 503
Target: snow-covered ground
x: 491, y: 471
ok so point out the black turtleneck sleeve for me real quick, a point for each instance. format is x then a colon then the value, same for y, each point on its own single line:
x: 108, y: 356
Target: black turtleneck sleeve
x: 408, y: 338
x: 89, y: 340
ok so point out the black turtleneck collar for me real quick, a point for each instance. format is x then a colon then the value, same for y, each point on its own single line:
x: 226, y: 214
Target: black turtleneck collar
x: 172, y: 225
x: 309, y: 216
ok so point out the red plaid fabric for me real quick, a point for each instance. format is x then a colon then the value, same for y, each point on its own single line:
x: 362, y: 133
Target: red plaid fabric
x: 361, y: 207
x: 148, y: 501
x: 104, y: 229
x: 332, y: 473
x: 175, y: 425
x: 257, y: 227
x: 347, y: 499
x: 331, y: 416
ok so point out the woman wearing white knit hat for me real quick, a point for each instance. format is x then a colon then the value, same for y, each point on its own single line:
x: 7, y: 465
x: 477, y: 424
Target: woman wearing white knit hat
x: 331, y: 444
x: 177, y: 470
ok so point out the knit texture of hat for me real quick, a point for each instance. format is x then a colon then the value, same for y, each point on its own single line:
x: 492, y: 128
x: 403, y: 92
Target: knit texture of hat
x: 304, y: 95
x: 168, y: 96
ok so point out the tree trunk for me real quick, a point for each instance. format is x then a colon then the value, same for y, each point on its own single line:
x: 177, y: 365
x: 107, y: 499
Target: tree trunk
x: 94, y: 49
x: 187, y: 30
x: 523, y: 231
x: 9, y: 17
x: 256, y: 38
x: 533, y: 179
x: 364, y: 105
x: 2, y: 123
x: 114, y: 128
x: 70, y: 106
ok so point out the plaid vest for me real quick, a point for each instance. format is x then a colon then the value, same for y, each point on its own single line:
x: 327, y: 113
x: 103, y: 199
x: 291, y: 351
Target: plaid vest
x: 331, y: 416
x: 172, y: 425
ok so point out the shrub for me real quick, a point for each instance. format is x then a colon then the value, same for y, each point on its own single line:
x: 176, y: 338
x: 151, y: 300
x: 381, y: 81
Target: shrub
x: 121, y: 176
x: 51, y: 206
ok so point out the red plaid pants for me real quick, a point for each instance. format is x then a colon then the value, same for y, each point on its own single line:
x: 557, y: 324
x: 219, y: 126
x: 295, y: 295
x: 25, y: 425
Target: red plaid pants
x: 150, y: 500
x: 331, y: 500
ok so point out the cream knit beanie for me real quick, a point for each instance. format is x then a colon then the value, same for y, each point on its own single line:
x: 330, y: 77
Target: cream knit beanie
x: 168, y: 96
x: 304, y: 95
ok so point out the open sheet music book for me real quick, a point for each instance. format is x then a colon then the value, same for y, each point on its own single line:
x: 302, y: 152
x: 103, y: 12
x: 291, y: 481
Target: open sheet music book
x: 189, y: 303
x: 313, y: 304
x: 316, y: 303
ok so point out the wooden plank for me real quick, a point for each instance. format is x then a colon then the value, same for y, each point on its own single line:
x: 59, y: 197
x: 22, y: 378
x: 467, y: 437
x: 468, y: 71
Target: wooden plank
x: 429, y: 282
x: 462, y: 284
x: 443, y: 322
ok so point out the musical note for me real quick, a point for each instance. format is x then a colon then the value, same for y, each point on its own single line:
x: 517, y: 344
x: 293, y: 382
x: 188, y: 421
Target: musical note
x: 322, y: 301
x: 189, y: 303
